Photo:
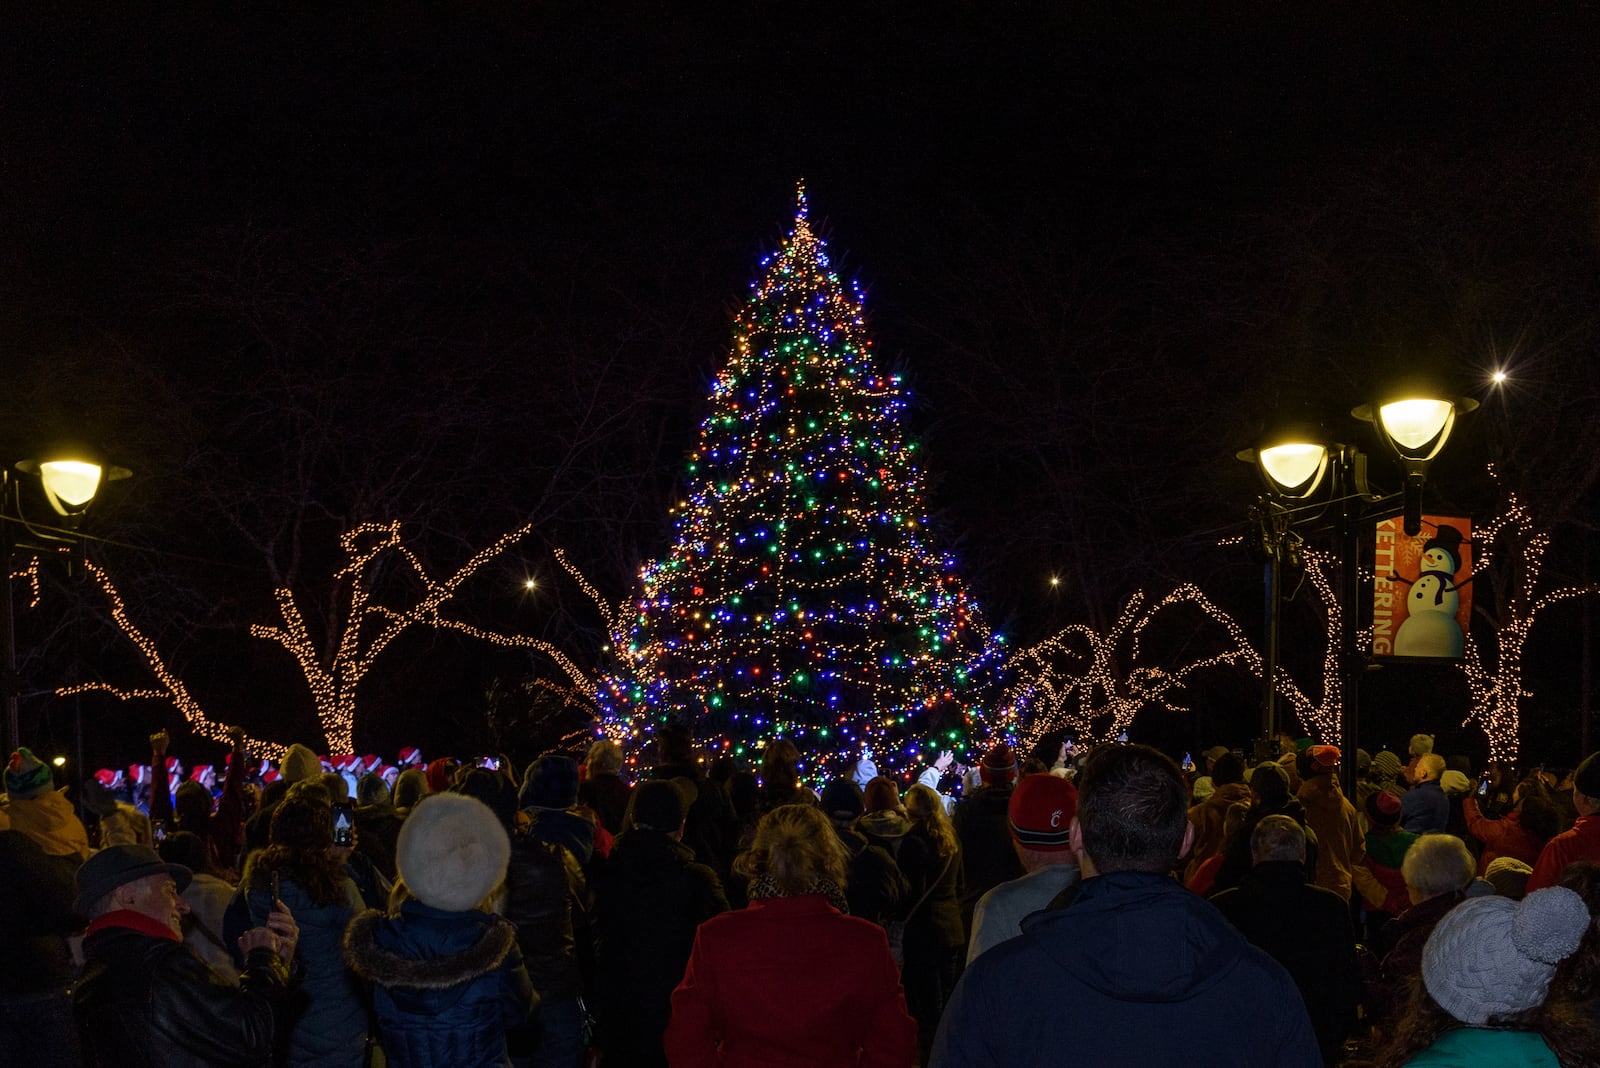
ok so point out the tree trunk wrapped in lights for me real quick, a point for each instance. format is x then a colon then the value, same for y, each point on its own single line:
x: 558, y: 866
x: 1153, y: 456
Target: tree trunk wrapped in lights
x: 802, y: 596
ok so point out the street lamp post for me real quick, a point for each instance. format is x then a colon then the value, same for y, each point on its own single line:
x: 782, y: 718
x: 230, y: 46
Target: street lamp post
x: 1295, y: 464
x: 69, y: 477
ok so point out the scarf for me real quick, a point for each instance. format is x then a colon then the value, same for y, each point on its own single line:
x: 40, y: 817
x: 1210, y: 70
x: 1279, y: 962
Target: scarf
x: 763, y: 886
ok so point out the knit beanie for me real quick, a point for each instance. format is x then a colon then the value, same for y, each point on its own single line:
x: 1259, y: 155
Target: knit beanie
x: 881, y: 795
x: 1382, y: 808
x: 999, y: 766
x: 26, y: 775
x: 1385, y: 765
x: 1453, y: 782
x: 841, y: 799
x: 658, y: 806
x: 550, y: 782
x: 1421, y: 744
x: 1491, y: 956
x: 299, y: 763
x: 864, y: 772
x: 1508, y: 876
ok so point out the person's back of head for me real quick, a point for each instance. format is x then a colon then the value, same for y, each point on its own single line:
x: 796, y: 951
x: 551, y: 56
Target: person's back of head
x: 1437, y: 864
x: 1227, y: 769
x: 780, y: 765
x: 674, y: 745
x: 1586, y: 785
x: 1132, y: 810
x: 1278, y: 838
x: 604, y: 758
x: 1429, y: 767
x: 191, y: 807
x: 794, y: 851
x: 1270, y: 784
x: 188, y: 849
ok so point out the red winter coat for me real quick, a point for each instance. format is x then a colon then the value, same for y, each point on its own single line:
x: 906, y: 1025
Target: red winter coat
x: 1505, y: 837
x: 790, y: 982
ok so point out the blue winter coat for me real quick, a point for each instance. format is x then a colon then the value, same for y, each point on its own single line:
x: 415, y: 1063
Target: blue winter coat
x: 327, y: 1012
x: 1137, y: 970
x: 446, y: 985
x: 1425, y: 809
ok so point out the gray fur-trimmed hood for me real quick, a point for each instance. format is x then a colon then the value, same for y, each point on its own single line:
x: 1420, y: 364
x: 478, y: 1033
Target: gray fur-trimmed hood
x: 390, y: 970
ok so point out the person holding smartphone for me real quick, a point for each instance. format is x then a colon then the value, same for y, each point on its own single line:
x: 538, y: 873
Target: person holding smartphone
x: 301, y: 868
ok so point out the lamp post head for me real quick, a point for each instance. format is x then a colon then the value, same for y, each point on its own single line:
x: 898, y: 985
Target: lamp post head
x: 1292, y: 460
x: 1415, y: 421
x: 71, y: 475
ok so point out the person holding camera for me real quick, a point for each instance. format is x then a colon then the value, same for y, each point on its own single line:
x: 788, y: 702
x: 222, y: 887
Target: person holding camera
x: 144, y: 997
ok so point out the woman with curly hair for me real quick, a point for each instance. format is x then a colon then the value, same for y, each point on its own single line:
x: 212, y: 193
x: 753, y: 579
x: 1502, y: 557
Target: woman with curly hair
x: 328, y: 1021
x: 935, y: 939
x: 1482, y: 998
x: 791, y: 979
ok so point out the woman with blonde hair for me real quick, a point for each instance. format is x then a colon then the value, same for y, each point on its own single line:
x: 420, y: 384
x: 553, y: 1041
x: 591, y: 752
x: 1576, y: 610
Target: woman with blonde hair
x: 935, y: 940
x: 791, y: 979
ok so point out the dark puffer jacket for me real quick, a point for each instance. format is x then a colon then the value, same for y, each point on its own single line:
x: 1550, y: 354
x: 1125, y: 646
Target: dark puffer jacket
x: 446, y: 985
x: 546, y: 900
x: 146, y: 1000
x: 650, y: 898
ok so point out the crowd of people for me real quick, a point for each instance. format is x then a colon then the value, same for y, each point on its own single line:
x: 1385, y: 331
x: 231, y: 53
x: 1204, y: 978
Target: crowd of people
x: 347, y: 912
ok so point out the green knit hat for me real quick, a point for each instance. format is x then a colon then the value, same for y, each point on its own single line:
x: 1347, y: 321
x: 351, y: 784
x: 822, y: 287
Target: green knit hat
x: 27, y: 776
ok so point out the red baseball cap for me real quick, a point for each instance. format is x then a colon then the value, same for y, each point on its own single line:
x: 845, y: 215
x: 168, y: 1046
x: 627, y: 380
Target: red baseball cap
x: 1041, y: 811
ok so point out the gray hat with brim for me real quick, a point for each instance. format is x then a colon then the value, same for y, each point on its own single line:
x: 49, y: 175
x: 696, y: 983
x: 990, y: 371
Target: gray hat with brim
x: 118, y: 866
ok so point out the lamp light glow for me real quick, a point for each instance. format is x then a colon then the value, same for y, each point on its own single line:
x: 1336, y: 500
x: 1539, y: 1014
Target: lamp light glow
x: 1418, y: 426
x: 1294, y: 468
x: 70, y: 484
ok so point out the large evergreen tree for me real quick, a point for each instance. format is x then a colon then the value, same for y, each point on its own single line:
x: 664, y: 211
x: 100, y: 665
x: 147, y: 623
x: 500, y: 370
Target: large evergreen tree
x: 802, y: 597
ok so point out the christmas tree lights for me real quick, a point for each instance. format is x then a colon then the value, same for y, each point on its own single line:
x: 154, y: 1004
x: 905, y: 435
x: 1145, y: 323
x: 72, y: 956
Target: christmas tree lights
x: 802, y: 596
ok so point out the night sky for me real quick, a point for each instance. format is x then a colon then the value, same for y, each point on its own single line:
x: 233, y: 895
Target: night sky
x: 1119, y: 213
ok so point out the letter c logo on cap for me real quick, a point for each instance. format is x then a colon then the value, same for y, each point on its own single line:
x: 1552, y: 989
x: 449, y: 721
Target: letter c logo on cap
x: 1055, y: 818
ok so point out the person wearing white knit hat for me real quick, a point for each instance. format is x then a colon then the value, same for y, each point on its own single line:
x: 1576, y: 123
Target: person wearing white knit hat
x: 1485, y: 971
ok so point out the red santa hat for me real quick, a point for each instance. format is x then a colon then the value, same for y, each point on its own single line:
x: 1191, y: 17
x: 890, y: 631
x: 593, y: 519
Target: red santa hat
x: 106, y: 777
x: 201, y: 771
x: 410, y: 755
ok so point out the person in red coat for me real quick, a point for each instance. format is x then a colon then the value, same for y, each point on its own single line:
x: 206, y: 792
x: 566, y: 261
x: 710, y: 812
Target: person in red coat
x: 791, y: 980
x: 1582, y: 842
x: 1520, y: 833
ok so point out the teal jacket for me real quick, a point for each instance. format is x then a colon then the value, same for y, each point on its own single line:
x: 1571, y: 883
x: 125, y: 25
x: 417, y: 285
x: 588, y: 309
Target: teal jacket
x: 1470, y: 1047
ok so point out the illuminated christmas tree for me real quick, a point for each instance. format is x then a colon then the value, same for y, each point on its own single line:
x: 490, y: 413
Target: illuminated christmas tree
x: 802, y: 597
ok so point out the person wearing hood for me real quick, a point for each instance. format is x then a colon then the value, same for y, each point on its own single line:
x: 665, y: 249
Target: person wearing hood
x: 447, y: 978
x: 377, y: 824
x: 650, y: 897
x: 549, y: 799
x: 876, y: 888
x: 1211, y: 813
x: 1341, y: 847
x: 1270, y: 795
x: 40, y: 811
x: 884, y: 824
x: 1141, y: 970
x: 410, y: 786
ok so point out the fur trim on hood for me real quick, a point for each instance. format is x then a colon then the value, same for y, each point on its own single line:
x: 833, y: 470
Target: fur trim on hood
x: 390, y: 970
x: 452, y: 852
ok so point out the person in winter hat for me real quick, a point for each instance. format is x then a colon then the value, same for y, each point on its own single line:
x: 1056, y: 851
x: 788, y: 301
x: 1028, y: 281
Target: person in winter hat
x: 1486, y: 969
x: 984, y: 829
x: 549, y: 799
x: 447, y: 977
x: 41, y: 812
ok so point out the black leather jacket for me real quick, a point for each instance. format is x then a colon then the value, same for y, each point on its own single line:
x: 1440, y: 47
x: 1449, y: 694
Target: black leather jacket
x: 146, y: 1001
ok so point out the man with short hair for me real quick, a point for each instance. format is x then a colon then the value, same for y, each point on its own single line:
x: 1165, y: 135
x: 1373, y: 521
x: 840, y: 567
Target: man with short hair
x: 1136, y: 970
x: 1582, y: 842
x: 1424, y: 809
x: 144, y: 998
x: 1304, y: 927
x: 1041, y: 813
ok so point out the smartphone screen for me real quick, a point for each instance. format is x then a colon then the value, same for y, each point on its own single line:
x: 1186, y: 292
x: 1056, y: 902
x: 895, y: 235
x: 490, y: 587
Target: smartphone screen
x: 344, y: 824
x: 158, y: 830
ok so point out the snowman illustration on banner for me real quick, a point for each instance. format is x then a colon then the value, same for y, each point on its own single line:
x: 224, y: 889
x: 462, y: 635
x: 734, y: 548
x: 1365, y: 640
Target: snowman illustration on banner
x: 1430, y: 628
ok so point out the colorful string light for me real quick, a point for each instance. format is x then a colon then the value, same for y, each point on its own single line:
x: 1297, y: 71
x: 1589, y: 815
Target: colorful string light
x: 801, y: 597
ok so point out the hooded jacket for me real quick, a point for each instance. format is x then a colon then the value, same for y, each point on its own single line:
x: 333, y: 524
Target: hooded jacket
x: 1140, y: 971
x: 446, y: 985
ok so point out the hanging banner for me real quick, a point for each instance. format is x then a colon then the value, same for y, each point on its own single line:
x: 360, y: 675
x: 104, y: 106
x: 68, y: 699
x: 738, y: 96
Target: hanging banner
x: 1421, y: 605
